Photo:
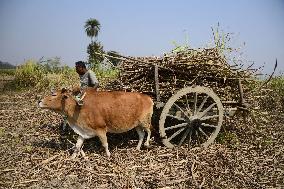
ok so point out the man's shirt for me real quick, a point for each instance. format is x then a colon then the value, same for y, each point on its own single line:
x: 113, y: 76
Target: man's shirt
x: 88, y: 79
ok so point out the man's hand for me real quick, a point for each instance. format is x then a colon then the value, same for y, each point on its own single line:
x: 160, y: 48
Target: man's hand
x: 76, y: 90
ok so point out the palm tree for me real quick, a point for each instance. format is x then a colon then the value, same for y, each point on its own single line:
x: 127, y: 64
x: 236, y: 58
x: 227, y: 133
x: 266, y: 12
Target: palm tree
x: 92, y: 28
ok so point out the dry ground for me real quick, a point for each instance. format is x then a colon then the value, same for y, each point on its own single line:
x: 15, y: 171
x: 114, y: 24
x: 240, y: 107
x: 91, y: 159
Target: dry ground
x: 35, y: 154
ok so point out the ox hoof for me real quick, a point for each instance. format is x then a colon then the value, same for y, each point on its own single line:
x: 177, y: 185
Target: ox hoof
x: 79, y: 152
x: 74, y: 155
x: 84, y: 155
x: 147, y: 146
x: 108, y: 154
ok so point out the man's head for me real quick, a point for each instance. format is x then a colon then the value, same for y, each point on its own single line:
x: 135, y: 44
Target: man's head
x: 80, y: 67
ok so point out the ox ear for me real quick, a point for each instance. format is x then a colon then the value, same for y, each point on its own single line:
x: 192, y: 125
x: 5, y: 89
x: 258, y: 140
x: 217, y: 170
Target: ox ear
x: 64, y: 90
x: 64, y: 96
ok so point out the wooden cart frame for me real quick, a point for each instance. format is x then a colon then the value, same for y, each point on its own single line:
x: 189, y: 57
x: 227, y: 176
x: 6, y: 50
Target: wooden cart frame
x: 193, y: 115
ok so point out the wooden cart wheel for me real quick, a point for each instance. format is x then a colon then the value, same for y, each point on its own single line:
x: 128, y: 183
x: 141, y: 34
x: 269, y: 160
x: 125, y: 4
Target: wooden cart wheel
x: 193, y: 114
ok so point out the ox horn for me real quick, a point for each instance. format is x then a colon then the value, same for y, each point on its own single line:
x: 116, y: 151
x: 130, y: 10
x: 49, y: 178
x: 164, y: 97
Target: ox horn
x: 52, y: 91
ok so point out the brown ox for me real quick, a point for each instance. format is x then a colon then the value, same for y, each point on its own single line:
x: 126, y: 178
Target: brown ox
x: 102, y: 112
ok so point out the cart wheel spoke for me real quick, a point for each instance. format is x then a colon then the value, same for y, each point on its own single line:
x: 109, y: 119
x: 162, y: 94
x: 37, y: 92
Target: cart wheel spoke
x: 176, y: 133
x: 203, y: 132
x: 208, y: 125
x: 207, y: 109
x: 187, y: 104
x: 176, y: 126
x: 184, y: 136
x: 195, y: 103
x: 197, y: 137
x: 190, y: 137
x: 202, y: 104
x: 178, y: 118
x: 209, y: 117
x: 182, y: 110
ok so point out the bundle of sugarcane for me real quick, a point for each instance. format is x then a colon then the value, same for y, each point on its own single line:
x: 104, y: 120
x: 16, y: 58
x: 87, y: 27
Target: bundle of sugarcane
x: 176, y: 70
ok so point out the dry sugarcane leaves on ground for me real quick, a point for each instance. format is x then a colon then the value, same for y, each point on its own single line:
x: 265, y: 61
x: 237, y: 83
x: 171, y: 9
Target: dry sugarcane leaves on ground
x: 35, y: 155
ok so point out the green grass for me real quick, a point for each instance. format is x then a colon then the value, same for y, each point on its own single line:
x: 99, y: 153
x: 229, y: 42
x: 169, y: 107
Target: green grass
x: 8, y: 72
x: 2, y: 131
x: 277, y: 85
x: 276, y: 92
x: 271, y: 94
x: 228, y: 138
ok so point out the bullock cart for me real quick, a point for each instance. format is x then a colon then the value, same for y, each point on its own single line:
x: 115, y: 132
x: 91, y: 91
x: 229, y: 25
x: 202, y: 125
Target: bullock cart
x: 193, y: 90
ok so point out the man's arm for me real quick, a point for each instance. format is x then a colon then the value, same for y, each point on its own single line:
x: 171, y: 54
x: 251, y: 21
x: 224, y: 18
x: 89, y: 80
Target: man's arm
x: 93, y: 81
x: 96, y: 85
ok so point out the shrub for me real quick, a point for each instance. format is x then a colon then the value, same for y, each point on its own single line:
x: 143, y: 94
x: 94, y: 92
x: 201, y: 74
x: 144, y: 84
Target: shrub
x: 28, y: 75
x: 274, y: 95
x: 42, y: 76
x: 269, y: 97
x: 106, y: 75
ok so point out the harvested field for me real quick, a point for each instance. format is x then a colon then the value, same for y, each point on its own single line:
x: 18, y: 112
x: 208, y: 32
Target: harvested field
x: 34, y: 153
x: 5, y: 79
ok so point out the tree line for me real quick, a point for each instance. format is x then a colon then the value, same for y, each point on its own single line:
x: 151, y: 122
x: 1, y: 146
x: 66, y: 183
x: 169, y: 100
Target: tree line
x: 6, y: 65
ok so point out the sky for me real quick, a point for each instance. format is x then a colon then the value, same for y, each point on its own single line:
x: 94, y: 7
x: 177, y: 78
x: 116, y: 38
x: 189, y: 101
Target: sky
x: 31, y: 29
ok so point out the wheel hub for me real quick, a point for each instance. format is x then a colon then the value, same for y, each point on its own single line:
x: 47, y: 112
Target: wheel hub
x: 195, y: 123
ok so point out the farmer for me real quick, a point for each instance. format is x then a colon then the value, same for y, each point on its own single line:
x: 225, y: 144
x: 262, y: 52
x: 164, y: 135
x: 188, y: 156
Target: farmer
x: 87, y: 79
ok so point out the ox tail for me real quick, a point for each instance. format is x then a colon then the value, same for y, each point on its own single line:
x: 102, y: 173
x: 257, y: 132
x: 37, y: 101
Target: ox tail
x: 149, y: 118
